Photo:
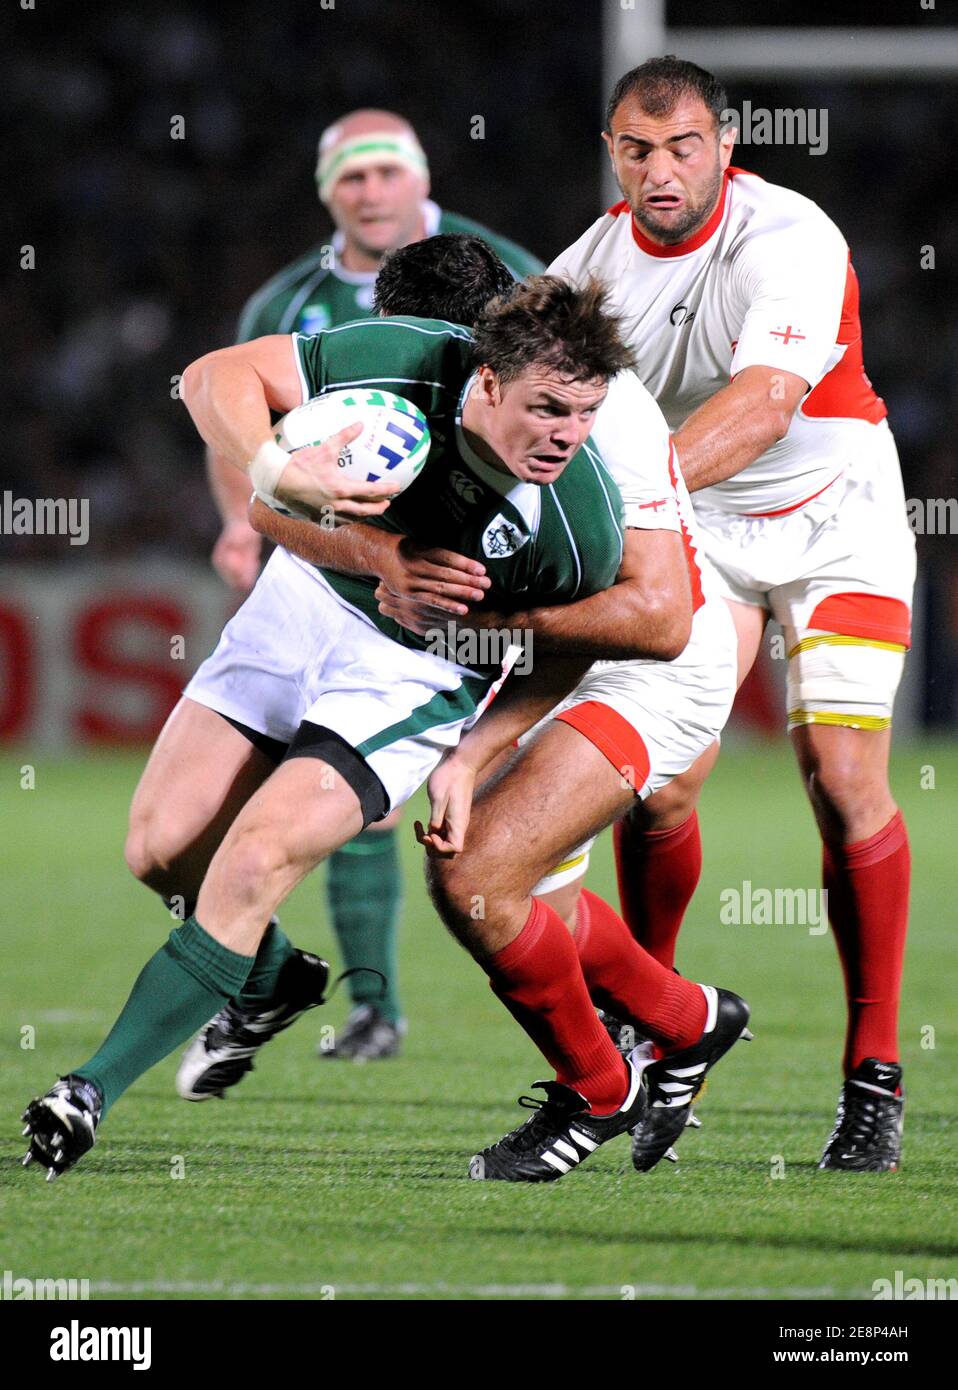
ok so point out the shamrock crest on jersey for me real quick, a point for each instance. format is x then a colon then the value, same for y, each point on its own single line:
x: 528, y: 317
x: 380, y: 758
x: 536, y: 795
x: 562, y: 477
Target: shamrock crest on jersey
x: 502, y: 538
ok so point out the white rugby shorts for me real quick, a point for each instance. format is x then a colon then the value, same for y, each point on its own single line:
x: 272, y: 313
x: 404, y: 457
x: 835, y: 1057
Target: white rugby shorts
x: 652, y: 719
x: 295, y: 652
x: 837, y: 574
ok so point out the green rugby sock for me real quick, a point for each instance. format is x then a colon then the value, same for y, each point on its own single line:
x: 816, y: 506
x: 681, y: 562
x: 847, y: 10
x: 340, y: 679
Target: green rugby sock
x: 364, y: 886
x: 274, y: 951
x: 178, y: 990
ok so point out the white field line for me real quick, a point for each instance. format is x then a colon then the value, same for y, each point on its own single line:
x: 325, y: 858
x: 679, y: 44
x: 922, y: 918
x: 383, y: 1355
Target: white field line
x: 224, y: 1289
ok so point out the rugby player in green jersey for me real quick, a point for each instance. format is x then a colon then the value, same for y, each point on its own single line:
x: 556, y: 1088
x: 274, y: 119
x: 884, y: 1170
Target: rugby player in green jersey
x: 510, y: 414
x: 373, y: 179
x: 629, y: 729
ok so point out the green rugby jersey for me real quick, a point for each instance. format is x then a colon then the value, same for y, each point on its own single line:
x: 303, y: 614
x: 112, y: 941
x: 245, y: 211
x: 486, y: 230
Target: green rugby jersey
x: 313, y: 293
x: 540, y: 544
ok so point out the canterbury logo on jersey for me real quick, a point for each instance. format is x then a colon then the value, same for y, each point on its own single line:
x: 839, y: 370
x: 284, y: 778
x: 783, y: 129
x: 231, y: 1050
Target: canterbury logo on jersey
x: 502, y: 538
x: 463, y: 486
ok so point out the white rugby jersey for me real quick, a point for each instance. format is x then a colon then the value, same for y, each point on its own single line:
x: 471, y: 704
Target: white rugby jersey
x: 632, y: 437
x: 767, y: 281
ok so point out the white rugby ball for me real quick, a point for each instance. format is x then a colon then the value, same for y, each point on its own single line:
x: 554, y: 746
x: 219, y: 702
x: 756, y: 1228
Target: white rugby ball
x: 393, y: 446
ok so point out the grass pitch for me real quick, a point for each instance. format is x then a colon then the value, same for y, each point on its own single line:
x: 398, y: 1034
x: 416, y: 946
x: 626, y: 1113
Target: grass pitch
x: 320, y: 1179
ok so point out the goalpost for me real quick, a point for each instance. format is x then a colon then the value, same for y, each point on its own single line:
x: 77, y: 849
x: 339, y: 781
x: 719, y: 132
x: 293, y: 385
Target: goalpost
x: 637, y: 29
x: 634, y: 30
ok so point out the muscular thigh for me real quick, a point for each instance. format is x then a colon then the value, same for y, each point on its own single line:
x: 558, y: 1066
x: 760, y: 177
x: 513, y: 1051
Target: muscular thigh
x: 551, y: 796
x: 300, y: 814
x: 305, y: 809
x: 200, y: 772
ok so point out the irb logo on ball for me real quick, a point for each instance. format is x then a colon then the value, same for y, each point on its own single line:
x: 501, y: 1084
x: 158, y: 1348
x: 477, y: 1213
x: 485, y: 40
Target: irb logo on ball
x: 394, y: 443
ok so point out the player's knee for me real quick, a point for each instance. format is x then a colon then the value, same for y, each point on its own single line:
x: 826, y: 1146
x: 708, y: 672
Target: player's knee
x: 460, y: 901
x: 250, y: 861
x: 136, y: 854
x: 841, y: 785
x: 672, y: 804
x: 151, y: 851
x: 668, y: 807
x: 448, y: 890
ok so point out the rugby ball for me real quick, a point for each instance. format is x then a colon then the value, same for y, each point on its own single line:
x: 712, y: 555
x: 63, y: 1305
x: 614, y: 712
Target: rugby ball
x: 393, y: 446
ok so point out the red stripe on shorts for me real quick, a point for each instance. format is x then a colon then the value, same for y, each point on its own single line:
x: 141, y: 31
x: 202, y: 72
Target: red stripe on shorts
x: 864, y: 615
x: 614, y: 737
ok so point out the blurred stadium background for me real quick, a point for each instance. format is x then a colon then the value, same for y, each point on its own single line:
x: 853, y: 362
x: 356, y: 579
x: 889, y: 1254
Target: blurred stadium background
x: 146, y: 247
x: 145, y: 250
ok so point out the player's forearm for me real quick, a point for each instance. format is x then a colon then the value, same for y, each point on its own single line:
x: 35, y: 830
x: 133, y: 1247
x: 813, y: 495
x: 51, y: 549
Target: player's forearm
x: 230, y: 488
x: 628, y: 622
x: 521, y: 703
x: 227, y: 402
x: 355, y: 549
x: 731, y: 430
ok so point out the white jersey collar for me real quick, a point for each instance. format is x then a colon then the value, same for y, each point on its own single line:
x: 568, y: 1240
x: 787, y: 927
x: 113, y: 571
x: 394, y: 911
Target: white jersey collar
x: 692, y: 243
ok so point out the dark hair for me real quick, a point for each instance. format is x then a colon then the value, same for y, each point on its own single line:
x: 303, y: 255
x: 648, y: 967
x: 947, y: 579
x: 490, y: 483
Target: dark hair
x: 660, y: 83
x: 451, y: 276
x: 548, y: 322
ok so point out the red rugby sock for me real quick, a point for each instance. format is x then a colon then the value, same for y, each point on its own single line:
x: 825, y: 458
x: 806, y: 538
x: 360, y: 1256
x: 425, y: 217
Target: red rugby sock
x: 539, y: 979
x: 867, y: 884
x: 631, y: 984
x: 658, y: 871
